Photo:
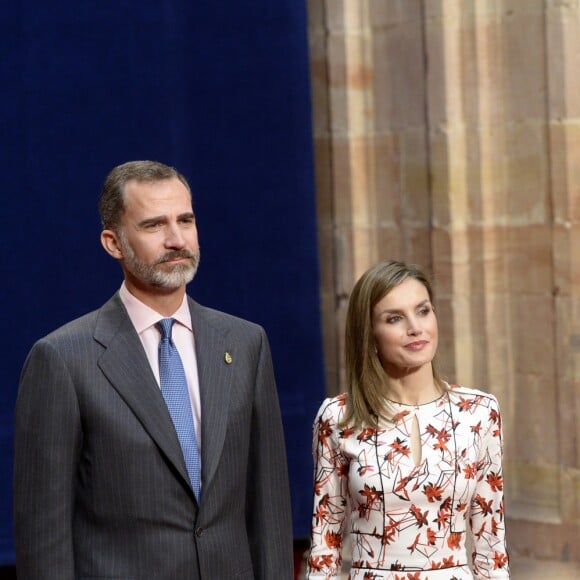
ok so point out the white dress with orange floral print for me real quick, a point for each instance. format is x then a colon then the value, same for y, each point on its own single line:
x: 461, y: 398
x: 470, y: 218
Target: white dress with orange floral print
x: 408, y: 521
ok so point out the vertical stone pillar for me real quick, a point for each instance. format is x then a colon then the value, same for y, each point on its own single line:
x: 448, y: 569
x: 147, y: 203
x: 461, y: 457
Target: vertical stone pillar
x: 492, y: 241
x: 370, y: 145
x: 561, y: 474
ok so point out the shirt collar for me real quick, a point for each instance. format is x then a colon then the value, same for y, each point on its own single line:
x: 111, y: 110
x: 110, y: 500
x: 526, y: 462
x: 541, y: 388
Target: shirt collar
x: 143, y: 316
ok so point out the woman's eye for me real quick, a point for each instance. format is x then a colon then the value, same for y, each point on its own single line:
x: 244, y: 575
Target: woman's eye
x: 393, y: 319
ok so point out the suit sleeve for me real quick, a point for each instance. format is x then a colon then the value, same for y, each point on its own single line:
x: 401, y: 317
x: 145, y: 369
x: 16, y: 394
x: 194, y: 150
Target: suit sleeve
x: 490, y: 558
x: 47, y: 443
x: 269, y: 514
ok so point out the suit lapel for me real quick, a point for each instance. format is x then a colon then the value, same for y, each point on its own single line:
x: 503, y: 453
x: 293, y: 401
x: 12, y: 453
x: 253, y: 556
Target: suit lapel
x: 215, y: 379
x: 125, y: 365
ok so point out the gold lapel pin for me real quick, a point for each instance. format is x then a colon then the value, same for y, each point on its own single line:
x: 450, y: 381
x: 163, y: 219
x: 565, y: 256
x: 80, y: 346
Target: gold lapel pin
x: 228, y: 358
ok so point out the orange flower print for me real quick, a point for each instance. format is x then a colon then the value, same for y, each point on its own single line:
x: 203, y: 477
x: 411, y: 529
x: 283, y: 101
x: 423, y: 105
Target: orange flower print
x: 441, y: 519
x: 483, y: 504
x: 461, y: 507
x: 414, y: 544
x: 322, y: 509
x: 364, y: 468
x: 454, y: 540
x: 420, y: 517
x: 431, y: 537
x: 320, y: 562
x: 500, y: 511
x: 442, y: 442
x: 398, y: 446
x: 333, y: 539
x: 433, y: 492
x: 465, y: 404
x: 479, y: 533
x: 346, y: 433
x: 470, y: 471
x: 442, y: 435
x: 431, y: 430
x: 401, y: 415
x: 500, y: 560
x: 320, y: 514
x: 324, y: 431
x: 402, y: 484
x: 495, y: 481
x: 389, y: 534
x: 371, y: 494
x: 366, y: 434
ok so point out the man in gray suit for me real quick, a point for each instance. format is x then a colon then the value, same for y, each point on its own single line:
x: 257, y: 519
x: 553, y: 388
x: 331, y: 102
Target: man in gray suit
x: 101, y: 483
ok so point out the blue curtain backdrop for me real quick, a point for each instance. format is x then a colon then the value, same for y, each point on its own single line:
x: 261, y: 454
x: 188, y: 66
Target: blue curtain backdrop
x: 221, y: 91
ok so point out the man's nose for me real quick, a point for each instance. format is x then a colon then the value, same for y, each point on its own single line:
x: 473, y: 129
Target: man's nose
x: 174, y: 237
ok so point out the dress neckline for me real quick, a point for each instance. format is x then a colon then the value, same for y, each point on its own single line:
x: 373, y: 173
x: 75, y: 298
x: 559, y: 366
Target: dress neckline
x: 397, y: 403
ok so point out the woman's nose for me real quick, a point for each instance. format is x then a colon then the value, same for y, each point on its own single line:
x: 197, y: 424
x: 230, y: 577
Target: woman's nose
x: 414, y: 327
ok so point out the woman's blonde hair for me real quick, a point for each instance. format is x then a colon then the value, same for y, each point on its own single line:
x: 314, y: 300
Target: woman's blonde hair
x: 365, y: 375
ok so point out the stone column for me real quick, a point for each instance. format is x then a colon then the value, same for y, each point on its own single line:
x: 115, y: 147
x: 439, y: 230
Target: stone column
x: 371, y: 150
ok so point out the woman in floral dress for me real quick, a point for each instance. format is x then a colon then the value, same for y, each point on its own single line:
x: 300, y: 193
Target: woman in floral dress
x: 406, y: 464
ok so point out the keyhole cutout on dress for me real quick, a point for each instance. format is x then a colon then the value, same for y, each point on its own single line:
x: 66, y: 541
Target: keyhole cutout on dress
x: 416, y: 442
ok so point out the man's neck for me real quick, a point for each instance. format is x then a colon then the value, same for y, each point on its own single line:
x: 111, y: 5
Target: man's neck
x: 162, y: 300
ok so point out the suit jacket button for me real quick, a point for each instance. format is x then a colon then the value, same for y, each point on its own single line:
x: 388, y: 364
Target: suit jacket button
x: 199, y: 532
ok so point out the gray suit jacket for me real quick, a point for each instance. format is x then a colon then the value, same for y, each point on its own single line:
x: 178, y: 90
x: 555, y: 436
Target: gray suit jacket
x: 100, y: 484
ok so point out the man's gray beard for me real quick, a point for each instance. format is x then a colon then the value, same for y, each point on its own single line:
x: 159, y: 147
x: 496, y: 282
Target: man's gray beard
x: 152, y: 274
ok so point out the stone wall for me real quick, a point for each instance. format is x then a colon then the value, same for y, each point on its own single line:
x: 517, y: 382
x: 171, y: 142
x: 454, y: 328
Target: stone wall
x: 447, y: 133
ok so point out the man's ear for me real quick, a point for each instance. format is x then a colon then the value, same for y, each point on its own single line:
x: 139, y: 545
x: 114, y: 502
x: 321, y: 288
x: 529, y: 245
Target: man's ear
x: 110, y: 241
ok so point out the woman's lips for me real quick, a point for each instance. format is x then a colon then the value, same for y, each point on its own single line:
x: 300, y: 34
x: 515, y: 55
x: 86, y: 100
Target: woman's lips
x: 417, y: 345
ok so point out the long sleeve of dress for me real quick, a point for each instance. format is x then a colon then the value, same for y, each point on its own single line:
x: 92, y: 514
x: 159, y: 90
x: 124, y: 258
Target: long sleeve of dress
x: 330, y: 496
x: 490, y: 558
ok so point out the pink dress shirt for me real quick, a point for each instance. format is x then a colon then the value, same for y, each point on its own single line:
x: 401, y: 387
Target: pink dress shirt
x: 144, y: 320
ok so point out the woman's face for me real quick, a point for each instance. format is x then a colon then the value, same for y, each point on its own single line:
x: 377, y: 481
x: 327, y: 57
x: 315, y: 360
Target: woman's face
x: 405, y: 328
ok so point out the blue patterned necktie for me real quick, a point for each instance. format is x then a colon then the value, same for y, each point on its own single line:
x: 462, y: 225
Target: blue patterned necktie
x: 176, y: 395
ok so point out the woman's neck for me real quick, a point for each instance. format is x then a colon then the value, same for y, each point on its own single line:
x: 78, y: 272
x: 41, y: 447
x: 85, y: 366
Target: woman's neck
x: 414, y: 388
